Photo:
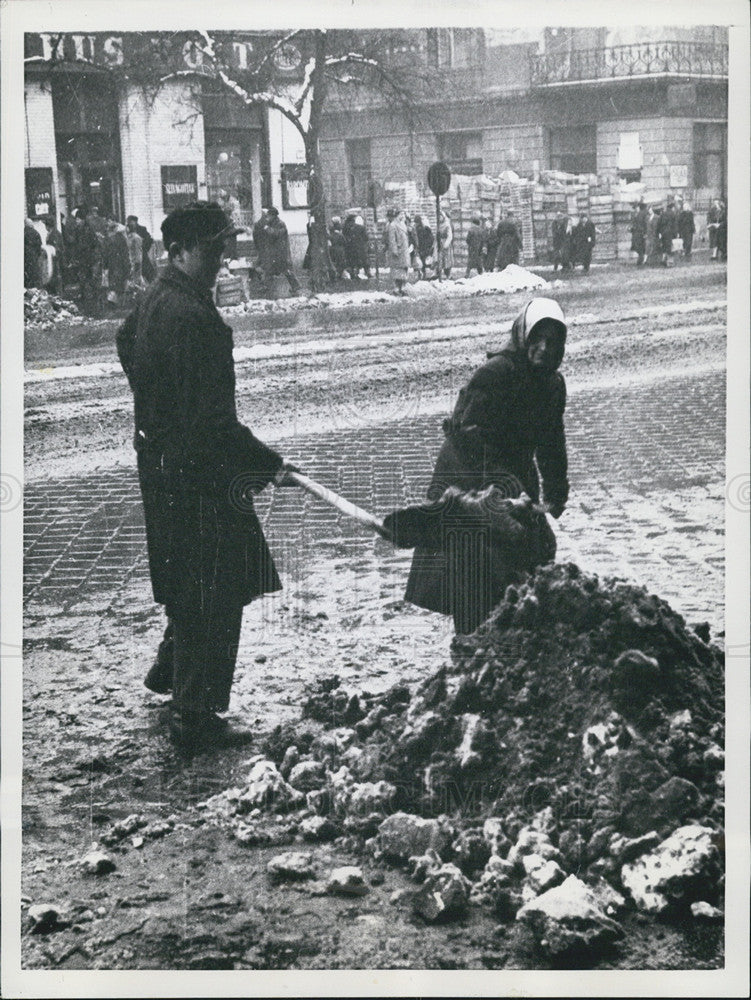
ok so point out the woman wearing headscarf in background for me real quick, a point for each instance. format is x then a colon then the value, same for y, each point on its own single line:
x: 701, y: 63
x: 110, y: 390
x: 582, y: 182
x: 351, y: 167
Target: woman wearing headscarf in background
x: 506, y: 430
x: 446, y: 233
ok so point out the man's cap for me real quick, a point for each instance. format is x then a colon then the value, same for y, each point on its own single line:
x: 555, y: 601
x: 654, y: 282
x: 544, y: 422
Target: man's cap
x: 203, y: 221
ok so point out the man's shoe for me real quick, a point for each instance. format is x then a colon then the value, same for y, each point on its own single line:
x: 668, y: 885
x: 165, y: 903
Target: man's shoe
x: 159, y: 678
x: 202, y: 729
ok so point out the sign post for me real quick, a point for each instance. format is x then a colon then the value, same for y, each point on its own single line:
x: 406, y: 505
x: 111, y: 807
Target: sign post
x: 439, y: 179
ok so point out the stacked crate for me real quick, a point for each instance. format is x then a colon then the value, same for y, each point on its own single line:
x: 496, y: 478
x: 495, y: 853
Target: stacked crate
x: 601, y: 214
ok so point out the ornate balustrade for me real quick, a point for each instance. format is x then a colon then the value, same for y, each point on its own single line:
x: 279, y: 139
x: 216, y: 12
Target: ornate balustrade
x: 647, y: 59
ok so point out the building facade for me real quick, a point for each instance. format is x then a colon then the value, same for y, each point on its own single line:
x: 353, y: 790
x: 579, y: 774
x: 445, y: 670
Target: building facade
x: 627, y: 104
x: 100, y: 131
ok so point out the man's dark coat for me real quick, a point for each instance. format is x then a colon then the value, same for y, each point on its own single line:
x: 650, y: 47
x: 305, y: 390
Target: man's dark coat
x: 196, y: 462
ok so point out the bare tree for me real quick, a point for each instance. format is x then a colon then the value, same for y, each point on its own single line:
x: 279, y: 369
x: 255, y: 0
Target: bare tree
x: 333, y: 61
x: 330, y: 63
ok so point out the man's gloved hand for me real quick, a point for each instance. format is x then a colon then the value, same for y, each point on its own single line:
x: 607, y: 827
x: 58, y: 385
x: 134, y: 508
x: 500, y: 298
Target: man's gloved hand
x: 282, y: 478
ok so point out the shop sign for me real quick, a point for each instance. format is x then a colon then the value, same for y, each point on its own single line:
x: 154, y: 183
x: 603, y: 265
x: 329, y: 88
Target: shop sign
x: 179, y: 186
x: 679, y: 176
x: 294, y: 185
x: 179, y: 51
x: 40, y: 198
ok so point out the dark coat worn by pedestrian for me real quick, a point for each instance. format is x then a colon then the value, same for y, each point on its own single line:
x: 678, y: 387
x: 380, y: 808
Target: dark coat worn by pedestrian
x: 509, y: 243
x: 639, y: 231
x: 196, y: 462
x: 667, y: 230
x: 355, y: 245
x: 584, y: 238
x: 507, y: 424
x: 475, y: 247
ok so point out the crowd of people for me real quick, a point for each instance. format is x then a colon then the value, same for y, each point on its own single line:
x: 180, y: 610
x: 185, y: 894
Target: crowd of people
x: 654, y: 230
x: 98, y: 260
x: 105, y: 264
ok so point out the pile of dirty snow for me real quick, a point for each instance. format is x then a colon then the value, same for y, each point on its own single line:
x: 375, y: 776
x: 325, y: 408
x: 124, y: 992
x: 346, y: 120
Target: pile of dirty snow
x: 42, y: 310
x: 567, y: 764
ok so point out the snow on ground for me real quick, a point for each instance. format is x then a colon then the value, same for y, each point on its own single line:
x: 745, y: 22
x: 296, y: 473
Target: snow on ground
x: 512, y: 279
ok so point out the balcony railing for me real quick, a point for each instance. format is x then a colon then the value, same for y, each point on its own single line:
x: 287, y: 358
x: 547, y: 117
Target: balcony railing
x: 647, y: 59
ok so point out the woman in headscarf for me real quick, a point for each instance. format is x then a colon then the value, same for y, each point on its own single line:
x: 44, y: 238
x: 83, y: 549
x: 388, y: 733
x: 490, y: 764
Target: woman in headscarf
x: 506, y: 430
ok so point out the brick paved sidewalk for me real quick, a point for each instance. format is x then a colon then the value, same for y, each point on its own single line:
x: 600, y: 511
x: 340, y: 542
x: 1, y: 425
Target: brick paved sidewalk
x: 647, y: 473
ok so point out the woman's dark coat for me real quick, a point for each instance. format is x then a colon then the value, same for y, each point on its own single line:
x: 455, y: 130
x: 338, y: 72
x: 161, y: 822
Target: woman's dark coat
x: 274, y: 253
x: 475, y: 246
x: 507, y: 424
x: 667, y: 230
x: 355, y: 244
x: 197, y: 463
x: 509, y: 243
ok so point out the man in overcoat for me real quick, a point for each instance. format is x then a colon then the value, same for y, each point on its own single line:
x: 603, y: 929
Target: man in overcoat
x: 198, y: 468
x: 584, y: 239
x: 639, y: 222
x: 274, y: 253
x: 475, y: 247
x: 667, y: 231
x: 686, y: 228
x: 506, y: 430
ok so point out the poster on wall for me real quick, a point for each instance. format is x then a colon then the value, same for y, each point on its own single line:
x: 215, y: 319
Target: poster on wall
x: 40, y: 197
x: 179, y: 186
x: 294, y: 185
x: 679, y: 176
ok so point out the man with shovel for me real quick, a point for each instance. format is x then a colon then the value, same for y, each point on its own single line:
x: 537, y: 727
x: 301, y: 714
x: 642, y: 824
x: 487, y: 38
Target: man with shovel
x: 198, y: 468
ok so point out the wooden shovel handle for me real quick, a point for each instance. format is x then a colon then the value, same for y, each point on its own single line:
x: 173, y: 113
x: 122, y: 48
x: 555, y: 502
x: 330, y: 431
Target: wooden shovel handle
x: 334, y: 500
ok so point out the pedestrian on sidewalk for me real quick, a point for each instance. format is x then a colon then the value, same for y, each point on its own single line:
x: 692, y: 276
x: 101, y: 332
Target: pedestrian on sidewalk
x: 148, y: 269
x: 713, y: 224
x: 686, y: 228
x: 397, y: 242
x: 584, y: 238
x: 561, y: 242
x: 667, y: 231
x: 509, y: 241
x: 722, y: 233
x: 491, y: 244
x: 275, y: 254
x: 424, y: 245
x: 639, y: 223
x: 475, y: 247
x: 356, y: 245
x: 337, y: 252
x: 198, y: 468
x: 507, y: 424
x: 446, y: 257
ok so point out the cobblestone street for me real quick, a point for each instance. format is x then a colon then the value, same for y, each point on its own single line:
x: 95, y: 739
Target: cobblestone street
x: 647, y: 500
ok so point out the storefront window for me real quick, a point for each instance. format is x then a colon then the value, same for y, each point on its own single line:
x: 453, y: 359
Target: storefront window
x: 233, y: 135
x: 87, y: 142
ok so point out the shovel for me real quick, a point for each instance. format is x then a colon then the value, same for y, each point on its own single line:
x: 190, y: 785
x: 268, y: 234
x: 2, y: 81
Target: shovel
x: 390, y: 531
x: 345, y: 506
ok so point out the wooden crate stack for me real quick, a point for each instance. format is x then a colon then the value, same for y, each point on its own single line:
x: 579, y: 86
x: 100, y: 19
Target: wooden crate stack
x: 601, y: 214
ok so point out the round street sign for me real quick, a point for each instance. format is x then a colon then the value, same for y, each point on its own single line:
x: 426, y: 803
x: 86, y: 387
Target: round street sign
x: 439, y: 178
